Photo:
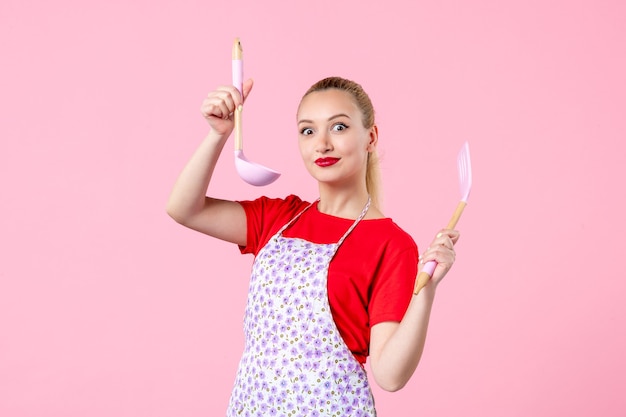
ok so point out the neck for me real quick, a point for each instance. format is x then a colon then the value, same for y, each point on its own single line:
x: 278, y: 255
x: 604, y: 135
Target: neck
x: 345, y: 204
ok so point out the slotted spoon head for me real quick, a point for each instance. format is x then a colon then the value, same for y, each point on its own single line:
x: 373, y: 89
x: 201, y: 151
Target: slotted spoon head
x: 465, y: 172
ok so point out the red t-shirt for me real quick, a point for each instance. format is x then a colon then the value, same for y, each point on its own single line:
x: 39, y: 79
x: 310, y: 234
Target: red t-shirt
x: 371, y: 277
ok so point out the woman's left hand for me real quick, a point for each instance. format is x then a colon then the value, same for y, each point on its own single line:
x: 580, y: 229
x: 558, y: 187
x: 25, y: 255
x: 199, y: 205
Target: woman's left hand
x: 441, y: 250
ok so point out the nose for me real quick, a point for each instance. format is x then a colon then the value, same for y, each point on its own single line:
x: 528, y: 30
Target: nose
x: 323, y: 143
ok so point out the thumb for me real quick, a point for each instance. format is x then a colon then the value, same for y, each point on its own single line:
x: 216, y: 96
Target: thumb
x: 247, y: 87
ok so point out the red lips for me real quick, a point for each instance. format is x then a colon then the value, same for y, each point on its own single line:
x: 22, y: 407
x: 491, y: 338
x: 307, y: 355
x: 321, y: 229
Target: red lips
x: 326, y: 162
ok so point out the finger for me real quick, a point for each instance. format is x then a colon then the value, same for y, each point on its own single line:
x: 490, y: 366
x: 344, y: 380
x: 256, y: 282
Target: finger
x: 444, y: 255
x: 446, y: 235
x: 234, y: 91
x: 227, y: 105
x: 452, y: 234
x: 448, y: 243
x: 217, y: 109
x: 438, y: 253
x: 247, y: 87
x: 229, y: 93
x: 228, y: 88
x: 229, y: 96
x: 442, y: 241
x: 212, y: 108
x: 219, y: 103
x: 207, y: 109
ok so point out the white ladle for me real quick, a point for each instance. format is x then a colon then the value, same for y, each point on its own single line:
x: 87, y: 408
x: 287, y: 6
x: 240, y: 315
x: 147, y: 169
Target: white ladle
x: 250, y: 172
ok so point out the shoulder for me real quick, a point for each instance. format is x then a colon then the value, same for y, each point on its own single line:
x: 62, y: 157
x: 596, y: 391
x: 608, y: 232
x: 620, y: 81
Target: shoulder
x: 389, y: 234
x: 265, y: 212
x: 274, y: 205
x: 383, y: 245
x: 265, y: 216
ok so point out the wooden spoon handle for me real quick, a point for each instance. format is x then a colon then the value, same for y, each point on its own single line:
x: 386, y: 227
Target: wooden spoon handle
x: 238, y: 83
x: 238, y: 125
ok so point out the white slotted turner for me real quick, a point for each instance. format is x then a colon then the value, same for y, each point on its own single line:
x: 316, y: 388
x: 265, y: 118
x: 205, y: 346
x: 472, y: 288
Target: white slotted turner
x: 464, y: 167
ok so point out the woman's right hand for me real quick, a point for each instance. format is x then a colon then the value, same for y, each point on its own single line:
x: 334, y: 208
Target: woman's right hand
x: 219, y: 106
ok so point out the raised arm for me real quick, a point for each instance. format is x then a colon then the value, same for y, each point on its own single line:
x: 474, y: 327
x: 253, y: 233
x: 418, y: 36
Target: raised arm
x: 396, y: 348
x: 188, y: 203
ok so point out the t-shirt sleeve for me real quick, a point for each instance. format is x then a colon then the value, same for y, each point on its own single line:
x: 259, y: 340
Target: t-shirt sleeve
x: 393, y: 287
x: 264, y: 217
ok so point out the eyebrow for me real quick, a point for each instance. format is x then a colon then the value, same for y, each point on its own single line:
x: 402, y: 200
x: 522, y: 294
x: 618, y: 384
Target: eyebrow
x: 329, y: 119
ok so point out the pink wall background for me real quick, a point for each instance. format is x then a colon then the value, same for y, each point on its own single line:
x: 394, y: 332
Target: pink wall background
x: 108, y: 308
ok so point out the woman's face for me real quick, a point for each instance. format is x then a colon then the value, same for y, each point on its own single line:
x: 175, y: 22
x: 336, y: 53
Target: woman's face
x: 333, y: 142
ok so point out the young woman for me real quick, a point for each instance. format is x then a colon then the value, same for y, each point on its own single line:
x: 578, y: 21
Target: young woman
x: 332, y: 280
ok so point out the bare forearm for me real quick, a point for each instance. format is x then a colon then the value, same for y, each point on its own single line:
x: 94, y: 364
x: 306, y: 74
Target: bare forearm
x: 189, y: 192
x: 398, y: 358
x: 396, y: 348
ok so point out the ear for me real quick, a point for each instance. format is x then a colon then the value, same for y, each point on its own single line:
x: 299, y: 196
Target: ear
x: 373, y: 136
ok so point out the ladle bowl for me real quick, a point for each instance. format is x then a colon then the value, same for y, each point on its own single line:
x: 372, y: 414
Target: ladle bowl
x: 253, y: 173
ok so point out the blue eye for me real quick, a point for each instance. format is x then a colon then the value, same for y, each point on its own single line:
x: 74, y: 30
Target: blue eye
x: 306, y: 131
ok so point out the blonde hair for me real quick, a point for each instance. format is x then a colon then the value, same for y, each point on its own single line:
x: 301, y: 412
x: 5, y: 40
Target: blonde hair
x: 362, y: 100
